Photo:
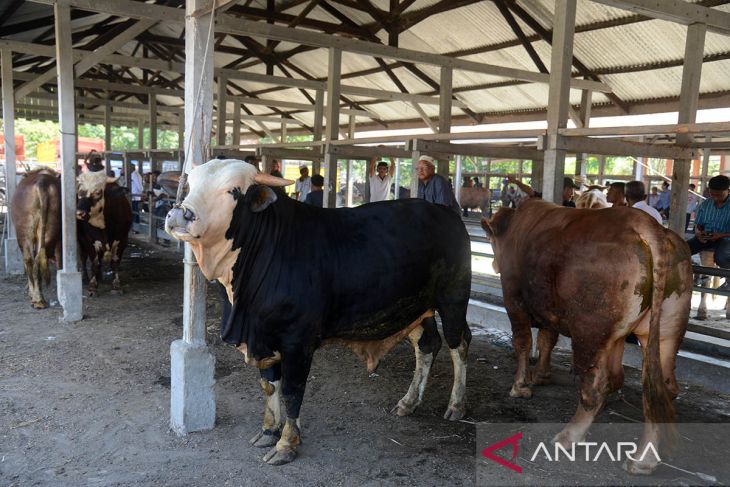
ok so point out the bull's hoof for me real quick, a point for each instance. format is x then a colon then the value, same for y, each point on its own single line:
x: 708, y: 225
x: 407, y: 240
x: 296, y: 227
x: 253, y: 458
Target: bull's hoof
x: 540, y: 378
x: 42, y: 304
x: 116, y: 292
x: 455, y: 413
x: 566, y: 438
x: 520, y: 391
x: 701, y: 316
x: 280, y: 457
x: 640, y: 468
x: 265, y: 438
x: 403, y: 408
x: 92, y: 292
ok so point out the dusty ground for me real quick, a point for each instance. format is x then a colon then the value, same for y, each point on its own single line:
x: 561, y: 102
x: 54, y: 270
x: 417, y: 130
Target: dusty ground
x: 87, y: 403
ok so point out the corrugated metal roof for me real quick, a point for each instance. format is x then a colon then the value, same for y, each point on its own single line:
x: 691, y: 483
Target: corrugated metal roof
x: 640, y: 59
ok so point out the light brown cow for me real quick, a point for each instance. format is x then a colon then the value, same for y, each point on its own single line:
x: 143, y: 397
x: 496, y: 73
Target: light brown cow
x: 36, y: 212
x: 470, y: 198
x: 594, y: 199
x: 595, y: 276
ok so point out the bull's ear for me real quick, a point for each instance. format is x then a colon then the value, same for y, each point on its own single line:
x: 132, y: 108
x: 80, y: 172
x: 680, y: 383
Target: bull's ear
x: 497, y: 225
x: 261, y: 198
x: 486, y: 227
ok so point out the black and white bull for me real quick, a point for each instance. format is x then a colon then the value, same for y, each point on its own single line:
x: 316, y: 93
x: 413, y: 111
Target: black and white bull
x: 298, y: 276
x: 104, y: 218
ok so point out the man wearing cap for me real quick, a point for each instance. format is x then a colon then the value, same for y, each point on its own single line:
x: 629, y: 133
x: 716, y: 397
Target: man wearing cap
x: 380, y: 178
x: 433, y: 187
x: 712, y: 224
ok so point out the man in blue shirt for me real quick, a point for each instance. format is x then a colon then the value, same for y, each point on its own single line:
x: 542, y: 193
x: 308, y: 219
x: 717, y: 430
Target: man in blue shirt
x: 665, y: 196
x: 432, y: 187
x: 314, y: 197
x: 712, y: 224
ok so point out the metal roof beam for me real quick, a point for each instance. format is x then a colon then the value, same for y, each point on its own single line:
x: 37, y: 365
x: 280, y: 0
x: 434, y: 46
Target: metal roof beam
x: 677, y: 11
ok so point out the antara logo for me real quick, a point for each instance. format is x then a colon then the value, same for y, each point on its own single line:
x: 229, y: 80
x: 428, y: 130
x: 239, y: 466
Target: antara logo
x: 593, y: 452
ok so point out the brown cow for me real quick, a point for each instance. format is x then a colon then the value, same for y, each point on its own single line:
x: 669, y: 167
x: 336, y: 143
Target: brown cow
x: 36, y: 212
x: 595, y: 276
x: 104, y: 219
x: 470, y: 198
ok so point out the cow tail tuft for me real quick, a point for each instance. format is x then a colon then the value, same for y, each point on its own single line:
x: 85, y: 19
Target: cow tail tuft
x: 658, y: 408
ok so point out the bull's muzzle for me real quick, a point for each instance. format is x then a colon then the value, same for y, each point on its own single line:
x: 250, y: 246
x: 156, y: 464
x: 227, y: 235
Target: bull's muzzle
x: 177, y: 220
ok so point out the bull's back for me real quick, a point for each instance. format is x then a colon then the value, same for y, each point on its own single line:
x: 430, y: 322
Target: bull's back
x: 37, y: 200
x: 394, y: 260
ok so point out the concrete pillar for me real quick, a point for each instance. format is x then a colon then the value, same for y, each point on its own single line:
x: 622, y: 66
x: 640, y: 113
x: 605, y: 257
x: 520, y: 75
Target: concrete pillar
x: 396, y: 179
x: 333, y: 121
x: 68, y: 280
x: 415, y: 155
x: 688, y: 99
x: 705, y: 166
x: 192, y: 397
x: 181, y: 130
x: 457, y: 179
x: 586, y: 101
x: 221, y: 112
x: 140, y: 134
x: 107, y: 133
x: 558, y: 101
x: 13, y: 257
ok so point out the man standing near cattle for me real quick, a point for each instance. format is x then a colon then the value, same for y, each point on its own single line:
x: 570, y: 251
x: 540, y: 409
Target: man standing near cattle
x: 380, y: 179
x: 636, y: 196
x: 433, y: 187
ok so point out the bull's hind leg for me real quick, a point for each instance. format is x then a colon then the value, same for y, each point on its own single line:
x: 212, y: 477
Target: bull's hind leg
x: 115, y: 258
x: 295, y: 365
x: 546, y: 340
x: 522, y: 343
x: 426, y: 344
x: 595, y: 386
x: 34, y: 284
x: 271, y: 429
x: 458, y: 337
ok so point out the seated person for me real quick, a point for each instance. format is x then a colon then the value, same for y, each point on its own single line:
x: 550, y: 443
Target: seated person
x: 314, y: 197
x: 712, y: 224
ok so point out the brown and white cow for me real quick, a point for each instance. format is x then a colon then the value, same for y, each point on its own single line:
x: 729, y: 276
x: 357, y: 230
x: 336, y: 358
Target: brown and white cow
x: 104, y: 218
x: 595, y: 276
x: 36, y: 212
x: 593, y: 199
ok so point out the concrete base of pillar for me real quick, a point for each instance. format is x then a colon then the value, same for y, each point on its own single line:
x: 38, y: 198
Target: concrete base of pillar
x: 13, y: 257
x: 192, y: 397
x: 70, y: 295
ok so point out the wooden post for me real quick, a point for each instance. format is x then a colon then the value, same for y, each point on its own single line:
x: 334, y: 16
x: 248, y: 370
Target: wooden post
x: 586, y: 100
x: 236, y: 139
x: 558, y: 102
x: 68, y: 279
x: 221, y: 112
x: 153, y: 121
x: 705, y: 166
x: 192, y: 398
x: 107, y: 133
x: 688, y: 99
x: 318, y: 125
x: 13, y: 259
x: 140, y: 134
x: 333, y: 121
x: 445, y: 114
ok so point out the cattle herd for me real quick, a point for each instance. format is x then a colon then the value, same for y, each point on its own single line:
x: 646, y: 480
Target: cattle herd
x: 297, y: 276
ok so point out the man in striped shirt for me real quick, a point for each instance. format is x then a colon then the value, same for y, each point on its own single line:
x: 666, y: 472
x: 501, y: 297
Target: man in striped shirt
x: 712, y: 224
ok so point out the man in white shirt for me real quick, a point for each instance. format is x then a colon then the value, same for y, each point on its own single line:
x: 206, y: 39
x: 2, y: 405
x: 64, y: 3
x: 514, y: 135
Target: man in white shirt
x: 636, y: 196
x: 137, y: 190
x: 380, y: 179
x: 303, y: 185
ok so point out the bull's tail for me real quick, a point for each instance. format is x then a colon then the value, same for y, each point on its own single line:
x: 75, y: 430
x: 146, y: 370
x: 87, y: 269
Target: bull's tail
x: 658, y: 408
x: 41, y: 259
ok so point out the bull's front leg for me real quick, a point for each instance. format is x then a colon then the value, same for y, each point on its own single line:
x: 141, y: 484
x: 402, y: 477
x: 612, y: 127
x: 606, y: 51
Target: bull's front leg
x: 295, y: 365
x: 114, y: 257
x: 426, y: 344
x: 95, y: 258
x: 271, y: 430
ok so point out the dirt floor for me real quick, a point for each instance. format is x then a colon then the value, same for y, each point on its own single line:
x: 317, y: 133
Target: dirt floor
x: 87, y: 403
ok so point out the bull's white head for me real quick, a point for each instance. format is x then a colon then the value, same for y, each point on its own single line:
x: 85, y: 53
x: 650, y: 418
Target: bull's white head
x: 593, y: 199
x: 205, y: 215
x: 90, y: 191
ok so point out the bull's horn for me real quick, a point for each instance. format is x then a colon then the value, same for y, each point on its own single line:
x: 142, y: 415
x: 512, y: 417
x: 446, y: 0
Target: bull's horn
x: 269, y: 180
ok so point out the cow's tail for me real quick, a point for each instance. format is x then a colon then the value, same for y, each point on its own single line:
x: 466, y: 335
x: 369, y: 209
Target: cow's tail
x: 41, y: 259
x: 658, y: 408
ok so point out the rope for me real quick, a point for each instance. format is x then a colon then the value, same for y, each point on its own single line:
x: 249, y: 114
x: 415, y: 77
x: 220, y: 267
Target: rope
x: 197, y: 108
